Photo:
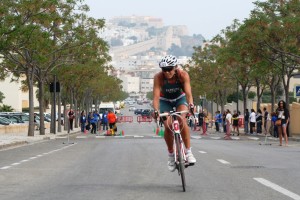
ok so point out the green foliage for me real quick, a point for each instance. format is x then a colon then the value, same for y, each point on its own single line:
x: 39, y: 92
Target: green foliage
x: 6, y: 108
x: 1, y: 97
x: 149, y: 95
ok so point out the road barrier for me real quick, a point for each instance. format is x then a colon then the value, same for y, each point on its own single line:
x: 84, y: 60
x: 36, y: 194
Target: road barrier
x: 125, y: 119
x: 144, y: 119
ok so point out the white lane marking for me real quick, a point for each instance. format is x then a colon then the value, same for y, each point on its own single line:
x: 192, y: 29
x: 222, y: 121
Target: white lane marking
x: 81, y: 137
x: 215, y: 138
x: 99, y: 136
x: 223, y: 161
x: 278, y: 188
x: 235, y: 138
x: 61, y: 137
x: 156, y: 136
x: 119, y: 136
x: 196, y: 137
x: 6, y: 167
x: 138, y: 136
x: 202, y: 152
x: 34, y: 157
x: 253, y: 138
x: 15, y: 164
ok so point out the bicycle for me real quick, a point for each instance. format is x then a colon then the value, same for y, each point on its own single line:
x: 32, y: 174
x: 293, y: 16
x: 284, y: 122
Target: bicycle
x: 179, y: 149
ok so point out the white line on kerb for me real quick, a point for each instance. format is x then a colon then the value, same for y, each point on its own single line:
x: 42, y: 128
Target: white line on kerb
x: 202, y: 152
x: 223, y: 161
x: 277, y: 188
x: 6, y: 167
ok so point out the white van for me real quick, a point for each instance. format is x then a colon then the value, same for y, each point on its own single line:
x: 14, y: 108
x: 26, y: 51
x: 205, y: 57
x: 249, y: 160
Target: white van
x: 105, y: 106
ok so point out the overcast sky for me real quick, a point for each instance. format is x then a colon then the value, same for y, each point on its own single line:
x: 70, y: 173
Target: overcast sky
x: 206, y: 17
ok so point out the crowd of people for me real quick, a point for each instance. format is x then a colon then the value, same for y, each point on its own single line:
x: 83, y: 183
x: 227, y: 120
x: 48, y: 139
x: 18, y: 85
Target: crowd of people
x: 255, y: 123
x: 93, y: 121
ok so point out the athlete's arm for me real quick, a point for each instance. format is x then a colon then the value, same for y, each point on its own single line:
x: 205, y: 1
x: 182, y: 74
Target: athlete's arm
x: 187, y: 87
x: 156, y: 92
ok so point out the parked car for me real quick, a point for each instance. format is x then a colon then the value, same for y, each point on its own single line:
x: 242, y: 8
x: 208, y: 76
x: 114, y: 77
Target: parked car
x: 132, y: 108
x: 138, y: 111
x: 12, y: 118
x: 4, y: 121
x: 146, y: 113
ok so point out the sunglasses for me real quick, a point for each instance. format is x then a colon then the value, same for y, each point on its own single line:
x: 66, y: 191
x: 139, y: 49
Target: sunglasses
x: 167, y: 69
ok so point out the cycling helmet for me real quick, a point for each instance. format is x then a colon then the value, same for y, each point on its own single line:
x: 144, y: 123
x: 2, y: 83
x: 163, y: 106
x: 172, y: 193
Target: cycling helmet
x: 168, y: 61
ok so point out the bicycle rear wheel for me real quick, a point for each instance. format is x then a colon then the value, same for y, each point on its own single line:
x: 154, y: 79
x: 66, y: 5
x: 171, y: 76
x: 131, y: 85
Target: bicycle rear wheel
x: 181, y: 162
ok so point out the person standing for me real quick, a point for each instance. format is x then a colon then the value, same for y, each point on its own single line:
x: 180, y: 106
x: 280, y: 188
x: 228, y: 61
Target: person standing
x: 235, y: 123
x: 246, y: 121
x: 94, y: 119
x: 259, y: 119
x: 274, y: 128
x: 283, y: 116
x: 228, y: 125
x: 266, y: 119
x: 112, y: 119
x: 71, y: 116
x: 252, y: 121
x: 105, y: 121
x: 201, y: 121
x: 217, y: 121
x: 82, y: 121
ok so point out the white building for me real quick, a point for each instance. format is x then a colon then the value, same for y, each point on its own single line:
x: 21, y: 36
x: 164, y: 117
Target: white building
x: 146, y: 85
x: 130, y: 83
x: 14, y: 96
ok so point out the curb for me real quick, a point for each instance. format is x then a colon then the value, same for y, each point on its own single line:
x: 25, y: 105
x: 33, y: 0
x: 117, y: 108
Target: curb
x: 13, y: 144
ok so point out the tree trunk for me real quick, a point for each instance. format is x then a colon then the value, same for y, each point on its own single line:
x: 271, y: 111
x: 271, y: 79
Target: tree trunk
x: 59, y: 111
x: 41, y: 106
x: 31, y: 103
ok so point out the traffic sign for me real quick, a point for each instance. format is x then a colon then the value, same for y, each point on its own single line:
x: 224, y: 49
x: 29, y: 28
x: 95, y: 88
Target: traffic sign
x: 297, y: 91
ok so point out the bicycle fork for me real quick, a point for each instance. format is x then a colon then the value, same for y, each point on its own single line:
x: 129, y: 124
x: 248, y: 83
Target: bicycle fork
x: 176, y: 129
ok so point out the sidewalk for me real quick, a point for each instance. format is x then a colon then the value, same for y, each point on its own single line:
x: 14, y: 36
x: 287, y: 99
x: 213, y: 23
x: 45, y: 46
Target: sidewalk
x: 8, y: 140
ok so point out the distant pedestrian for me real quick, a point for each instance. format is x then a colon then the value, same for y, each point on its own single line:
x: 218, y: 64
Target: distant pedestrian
x: 266, y: 120
x: 259, y: 119
x: 217, y: 121
x: 82, y: 121
x: 274, y: 128
x: 36, y: 122
x: 94, y: 120
x: 105, y: 121
x: 235, y: 123
x: 283, y: 116
x: 112, y: 119
x: 252, y: 118
x: 228, y: 125
x: 71, y: 116
x: 246, y: 121
x: 224, y: 121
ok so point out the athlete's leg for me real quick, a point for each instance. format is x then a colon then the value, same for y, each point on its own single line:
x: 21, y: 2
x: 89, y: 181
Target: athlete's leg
x: 185, y: 133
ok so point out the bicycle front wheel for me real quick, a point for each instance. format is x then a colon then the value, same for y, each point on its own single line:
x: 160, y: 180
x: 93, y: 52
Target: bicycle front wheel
x: 181, y: 162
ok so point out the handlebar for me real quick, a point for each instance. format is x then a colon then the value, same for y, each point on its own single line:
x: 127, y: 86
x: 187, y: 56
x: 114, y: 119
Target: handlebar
x: 173, y: 113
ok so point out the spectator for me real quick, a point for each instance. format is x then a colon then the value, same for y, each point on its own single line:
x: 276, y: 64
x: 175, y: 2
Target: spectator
x: 283, y: 117
x: 266, y: 119
x: 252, y: 118
x: 82, y: 121
x: 36, y: 122
x: 246, y: 121
x: 200, y: 121
x: 274, y: 128
x: 235, y: 123
x: 94, y: 120
x: 71, y: 116
x: 259, y: 121
x: 111, y: 120
x: 228, y: 124
x: 224, y: 121
x: 217, y: 121
x: 105, y: 121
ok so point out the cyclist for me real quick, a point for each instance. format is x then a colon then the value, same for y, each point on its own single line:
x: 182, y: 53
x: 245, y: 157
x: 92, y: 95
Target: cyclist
x: 172, y: 89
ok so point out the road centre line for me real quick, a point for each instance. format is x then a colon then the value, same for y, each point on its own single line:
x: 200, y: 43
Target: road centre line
x: 35, y: 157
x: 223, y: 161
x: 278, y: 188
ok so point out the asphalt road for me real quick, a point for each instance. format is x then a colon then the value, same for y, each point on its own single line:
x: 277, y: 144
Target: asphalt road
x: 134, y: 167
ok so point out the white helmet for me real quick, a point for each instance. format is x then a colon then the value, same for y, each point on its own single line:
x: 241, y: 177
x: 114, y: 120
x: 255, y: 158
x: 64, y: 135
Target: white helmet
x: 168, y: 61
